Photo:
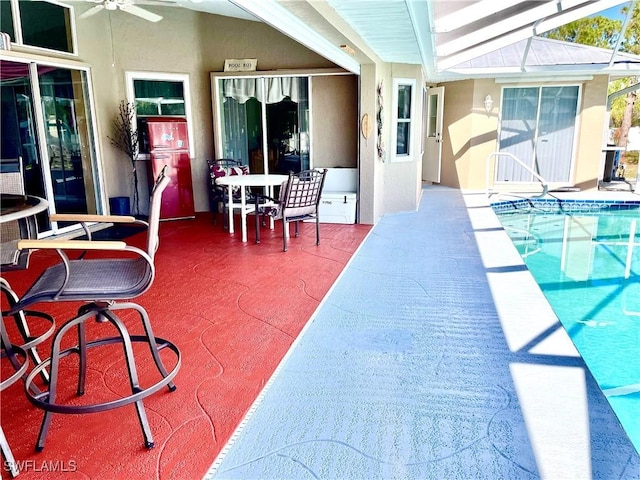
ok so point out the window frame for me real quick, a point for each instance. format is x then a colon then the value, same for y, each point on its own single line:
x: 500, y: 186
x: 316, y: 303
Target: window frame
x: 576, y: 125
x: 132, y: 76
x: 397, y: 83
x: 17, y: 28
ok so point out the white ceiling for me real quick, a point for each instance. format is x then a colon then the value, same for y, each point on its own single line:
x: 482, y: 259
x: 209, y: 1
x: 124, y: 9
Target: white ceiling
x: 440, y: 35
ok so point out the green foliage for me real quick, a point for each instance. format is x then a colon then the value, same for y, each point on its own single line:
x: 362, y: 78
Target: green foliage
x: 631, y: 43
x: 596, y: 31
x: 603, y: 32
x: 618, y: 105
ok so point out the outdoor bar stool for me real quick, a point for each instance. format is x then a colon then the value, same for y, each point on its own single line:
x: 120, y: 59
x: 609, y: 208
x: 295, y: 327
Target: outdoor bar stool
x: 11, y: 259
x: 105, y: 285
x: 20, y: 362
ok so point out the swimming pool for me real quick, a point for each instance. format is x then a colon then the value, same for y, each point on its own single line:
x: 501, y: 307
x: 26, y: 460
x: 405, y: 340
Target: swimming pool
x: 586, y: 258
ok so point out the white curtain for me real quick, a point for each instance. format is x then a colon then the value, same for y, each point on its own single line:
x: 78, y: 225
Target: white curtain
x: 538, y: 127
x: 277, y: 88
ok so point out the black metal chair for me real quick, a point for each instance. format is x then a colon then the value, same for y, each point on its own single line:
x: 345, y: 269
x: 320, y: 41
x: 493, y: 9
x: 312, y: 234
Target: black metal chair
x: 105, y: 285
x: 298, y: 200
x: 218, y: 194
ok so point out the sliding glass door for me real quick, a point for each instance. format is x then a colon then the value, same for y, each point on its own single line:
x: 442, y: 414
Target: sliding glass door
x: 538, y: 127
x: 264, y: 122
x: 47, y: 128
x: 19, y: 148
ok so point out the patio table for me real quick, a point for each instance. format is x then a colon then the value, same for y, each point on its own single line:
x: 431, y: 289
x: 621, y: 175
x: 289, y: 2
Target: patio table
x: 268, y: 181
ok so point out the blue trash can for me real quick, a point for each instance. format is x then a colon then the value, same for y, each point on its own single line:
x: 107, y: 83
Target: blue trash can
x: 120, y: 205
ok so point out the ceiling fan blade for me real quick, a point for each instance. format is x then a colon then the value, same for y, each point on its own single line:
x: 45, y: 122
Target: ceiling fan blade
x: 141, y: 12
x: 92, y: 11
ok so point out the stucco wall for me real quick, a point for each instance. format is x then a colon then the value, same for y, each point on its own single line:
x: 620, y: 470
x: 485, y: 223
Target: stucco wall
x: 470, y: 133
x: 185, y: 42
x: 402, y: 179
x: 591, y: 134
x: 457, y: 130
x: 367, y: 148
x: 335, y: 120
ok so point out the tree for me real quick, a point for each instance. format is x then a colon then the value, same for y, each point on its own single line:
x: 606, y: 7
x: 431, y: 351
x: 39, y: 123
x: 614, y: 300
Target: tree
x: 603, y: 32
x: 597, y: 31
x: 125, y: 137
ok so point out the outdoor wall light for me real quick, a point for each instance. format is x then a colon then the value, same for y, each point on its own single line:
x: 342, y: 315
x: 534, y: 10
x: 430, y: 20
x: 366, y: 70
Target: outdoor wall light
x: 488, y: 103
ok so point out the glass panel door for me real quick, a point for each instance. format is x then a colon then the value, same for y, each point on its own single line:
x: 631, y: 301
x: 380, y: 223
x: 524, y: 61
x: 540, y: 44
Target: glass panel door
x: 247, y: 105
x: 303, y: 141
x: 558, y: 109
x: 19, y: 145
x: 538, y: 127
x: 241, y: 121
x: 518, y: 129
x: 68, y: 140
x: 47, y: 128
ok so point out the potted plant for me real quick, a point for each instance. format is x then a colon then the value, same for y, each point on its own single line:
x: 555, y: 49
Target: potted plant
x: 125, y: 138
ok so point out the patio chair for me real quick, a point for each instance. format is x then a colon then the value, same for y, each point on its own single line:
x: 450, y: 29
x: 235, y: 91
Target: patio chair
x: 12, y: 182
x: 298, y: 200
x: 218, y: 193
x: 105, y: 285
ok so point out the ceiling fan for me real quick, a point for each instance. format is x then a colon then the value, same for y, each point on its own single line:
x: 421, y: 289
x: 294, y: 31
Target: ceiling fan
x: 124, y: 5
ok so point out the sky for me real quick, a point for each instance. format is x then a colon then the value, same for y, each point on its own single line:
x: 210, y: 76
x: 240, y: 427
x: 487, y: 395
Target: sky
x: 613, y: 12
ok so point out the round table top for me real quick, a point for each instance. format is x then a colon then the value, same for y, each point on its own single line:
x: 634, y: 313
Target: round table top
x: 252, y: 180
x: 14, y: 207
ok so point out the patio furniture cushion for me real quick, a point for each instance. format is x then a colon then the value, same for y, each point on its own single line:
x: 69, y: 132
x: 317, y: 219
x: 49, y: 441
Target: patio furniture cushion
x: 216, y: 171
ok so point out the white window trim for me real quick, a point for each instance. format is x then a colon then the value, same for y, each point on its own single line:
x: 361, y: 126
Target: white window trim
x: 169, y: 77
x: 215, y: 78
x: 17, y: 27
x: 408, y: 157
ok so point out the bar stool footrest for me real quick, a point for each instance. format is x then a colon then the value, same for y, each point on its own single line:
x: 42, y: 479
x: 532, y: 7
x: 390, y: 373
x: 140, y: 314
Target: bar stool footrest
x: 41, y: 400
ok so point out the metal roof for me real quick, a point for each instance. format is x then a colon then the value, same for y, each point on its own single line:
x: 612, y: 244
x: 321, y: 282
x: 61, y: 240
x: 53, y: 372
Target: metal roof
x: 543, y: 55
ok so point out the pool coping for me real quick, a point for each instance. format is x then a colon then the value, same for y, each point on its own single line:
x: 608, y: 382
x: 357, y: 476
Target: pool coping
x: 571, y: 205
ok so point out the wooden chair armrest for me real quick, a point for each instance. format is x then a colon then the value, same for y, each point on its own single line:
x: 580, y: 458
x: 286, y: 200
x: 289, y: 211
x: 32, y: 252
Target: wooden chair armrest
x: 71, y: 244
x: 84, y: 217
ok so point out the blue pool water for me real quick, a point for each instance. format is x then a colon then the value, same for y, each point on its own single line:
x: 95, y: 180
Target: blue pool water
x: 587, y: 263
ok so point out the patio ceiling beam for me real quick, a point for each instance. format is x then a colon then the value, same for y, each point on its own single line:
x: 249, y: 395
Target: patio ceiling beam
x: 472, y: 13
x: 418, y: 11
x: 278, y: 17
x: 523, y: 33
x: 495, y: 29
x: 345, y: 28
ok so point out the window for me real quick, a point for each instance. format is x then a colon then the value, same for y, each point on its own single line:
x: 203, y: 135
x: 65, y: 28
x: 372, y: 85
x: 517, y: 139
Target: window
x: 264, y: 122
x: 155, y: 95
x: 40, y: 24
x: 402, y: 117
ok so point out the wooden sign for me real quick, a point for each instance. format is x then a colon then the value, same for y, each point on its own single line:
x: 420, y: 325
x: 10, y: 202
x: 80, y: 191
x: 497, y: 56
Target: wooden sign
x: 240, y: 65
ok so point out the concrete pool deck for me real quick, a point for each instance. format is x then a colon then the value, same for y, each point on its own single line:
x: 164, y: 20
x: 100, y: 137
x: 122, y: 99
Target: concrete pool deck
x: 434, y: 355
